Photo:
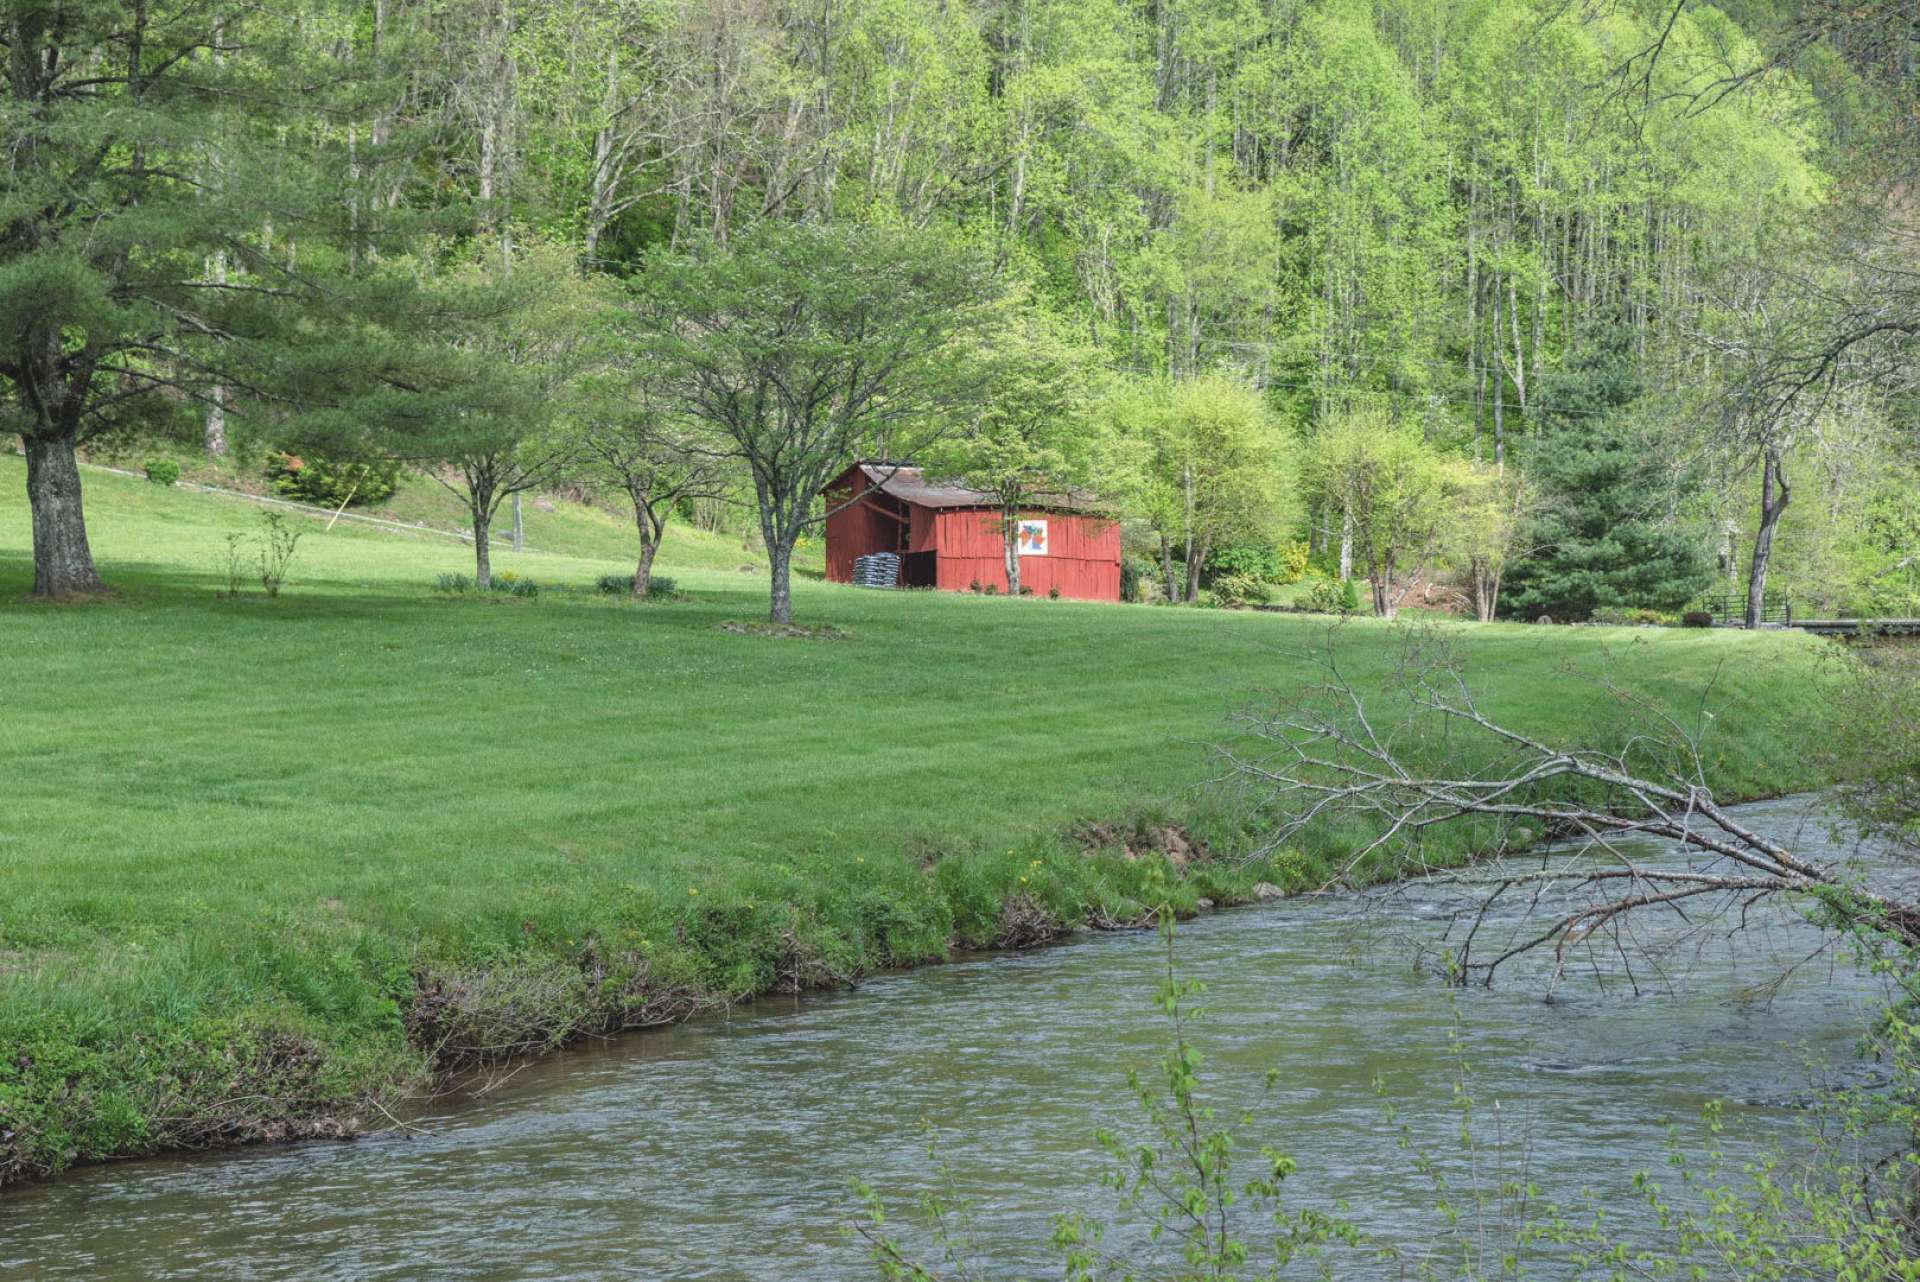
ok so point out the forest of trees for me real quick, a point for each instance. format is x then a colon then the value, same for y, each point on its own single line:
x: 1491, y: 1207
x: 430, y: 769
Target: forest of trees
x: 1560, y: 307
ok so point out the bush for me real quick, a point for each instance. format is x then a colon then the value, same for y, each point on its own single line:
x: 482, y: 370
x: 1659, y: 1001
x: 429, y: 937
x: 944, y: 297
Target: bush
x: 1325, y: 597
x: 614, y: 584
x: 513, y: 585
x: 452, y: 583
x: 1280, y: 563
x: 1629, y: 616
x: 1293, y: 561
x: 162, y: 471
x: 312, y: 478
x: 1248, y: 560
x: 1053, y: 594
x: 1350, y: 597
x: 1697, y: 619
x: 991, y: 589
x: 1241, y: 589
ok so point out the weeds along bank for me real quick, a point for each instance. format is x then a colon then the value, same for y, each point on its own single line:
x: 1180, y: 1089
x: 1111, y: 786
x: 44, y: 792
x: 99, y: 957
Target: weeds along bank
x: 267, y: 862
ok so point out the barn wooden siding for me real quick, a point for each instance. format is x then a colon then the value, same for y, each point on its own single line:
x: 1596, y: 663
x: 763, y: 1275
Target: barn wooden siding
x: 1082, y: 560
x: 953, y: 547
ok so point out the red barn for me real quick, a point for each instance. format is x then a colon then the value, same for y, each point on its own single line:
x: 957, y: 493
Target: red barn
x: 949, y: 537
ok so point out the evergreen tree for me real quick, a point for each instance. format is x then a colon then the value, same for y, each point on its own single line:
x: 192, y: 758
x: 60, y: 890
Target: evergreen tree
x: 151, y: 151
x: 1604, y: 535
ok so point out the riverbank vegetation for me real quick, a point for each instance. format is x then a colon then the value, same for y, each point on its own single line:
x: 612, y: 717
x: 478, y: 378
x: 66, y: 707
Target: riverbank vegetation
x: 315, y: 849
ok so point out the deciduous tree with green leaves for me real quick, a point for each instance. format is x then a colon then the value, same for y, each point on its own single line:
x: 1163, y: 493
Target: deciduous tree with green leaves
x: 1396, y: 489
x: 806, y: 347
x: 1033, y: 442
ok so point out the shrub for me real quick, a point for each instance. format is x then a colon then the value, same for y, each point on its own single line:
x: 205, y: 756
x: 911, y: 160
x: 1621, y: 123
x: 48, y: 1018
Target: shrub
x: 1697, y: 619
x: 1025, y: 590
x: 974, y: 586
x: 1350, y: 597
x: 661, y: 588
x: 1278, y: 563
x: 451, y: 583
x: 1631, y: 616
x: 1293, y: 561
x: 1324, y: 597
x: 1053, y: 594
x: 312, y: 478
x: 1136, y: 579
x: 1241, y: 589
x: 278, y: 542
x: 991, y: 589
x: 614, y: 584
x: 512, y: 584
x: 162, y: 471
x: 1248, y: 560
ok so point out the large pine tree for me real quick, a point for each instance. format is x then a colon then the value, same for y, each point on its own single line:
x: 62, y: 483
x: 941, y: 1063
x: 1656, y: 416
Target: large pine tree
x: 149, y: 208
x: 1605, y: 535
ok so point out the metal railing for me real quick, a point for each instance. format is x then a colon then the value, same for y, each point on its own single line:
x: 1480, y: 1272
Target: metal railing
x: 1729, y: 610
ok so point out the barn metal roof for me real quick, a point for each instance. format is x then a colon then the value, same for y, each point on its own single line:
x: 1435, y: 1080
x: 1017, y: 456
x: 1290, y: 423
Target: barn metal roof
x: 909, y: 485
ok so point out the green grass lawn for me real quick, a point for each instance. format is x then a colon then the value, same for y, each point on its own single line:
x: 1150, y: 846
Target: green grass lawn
x: 317, y: 847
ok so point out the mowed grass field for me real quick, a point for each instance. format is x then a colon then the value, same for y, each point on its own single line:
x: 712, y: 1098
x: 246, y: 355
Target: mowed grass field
x: 307, y: 851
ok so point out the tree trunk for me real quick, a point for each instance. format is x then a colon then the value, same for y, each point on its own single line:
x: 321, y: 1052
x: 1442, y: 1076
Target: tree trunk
x: 1486, y: 589
x: 1774, y: 494
x: 1166, y: 566
x: 1010, y: 543
x: 1193, y: 576
x: 214, y: 438
x: 1346, y: 540
x: 650, y: 533
x: 643, y: 572
x: 1195, y: 555
x: 779, y: 560
x: 482, y: 553
x: 62, y: 561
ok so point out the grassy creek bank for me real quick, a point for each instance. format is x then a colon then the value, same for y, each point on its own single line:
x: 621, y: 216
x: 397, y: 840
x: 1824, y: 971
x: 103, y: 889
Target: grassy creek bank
x: 269, y: 867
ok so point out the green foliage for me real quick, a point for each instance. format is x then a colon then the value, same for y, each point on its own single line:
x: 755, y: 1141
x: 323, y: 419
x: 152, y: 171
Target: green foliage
x: 326, y: 482
x: 879, y: 323
x: 1390, y: 488
x: 1284, y: 563
x: 1349, y: 596
x: 1632, y: 616
x: 660, y: 587
x: 1203, y: 462
x: 1238, y: 589
x: 1605, y: 534
x: 162, y: 471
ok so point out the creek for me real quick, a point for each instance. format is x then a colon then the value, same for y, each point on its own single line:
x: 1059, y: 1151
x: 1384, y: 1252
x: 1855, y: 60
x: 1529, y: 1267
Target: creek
x: 724, y: 1148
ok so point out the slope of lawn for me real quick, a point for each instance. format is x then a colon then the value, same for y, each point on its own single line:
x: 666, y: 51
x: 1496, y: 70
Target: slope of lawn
x: 262, y: 860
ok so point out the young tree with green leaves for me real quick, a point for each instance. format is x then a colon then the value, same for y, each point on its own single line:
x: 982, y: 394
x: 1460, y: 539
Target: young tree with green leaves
x: 806, y: 347
x: 1033, y: 442
x: 634, y: 436
x: 1396, y: 489
x: 1206, y: 465
x: 1491, y: 510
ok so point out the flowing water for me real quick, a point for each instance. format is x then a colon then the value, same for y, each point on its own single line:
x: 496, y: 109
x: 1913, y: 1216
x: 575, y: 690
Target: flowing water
x: 724, y: 1148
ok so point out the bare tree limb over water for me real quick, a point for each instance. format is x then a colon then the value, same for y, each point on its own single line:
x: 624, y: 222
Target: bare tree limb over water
x: 1421, y: 752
